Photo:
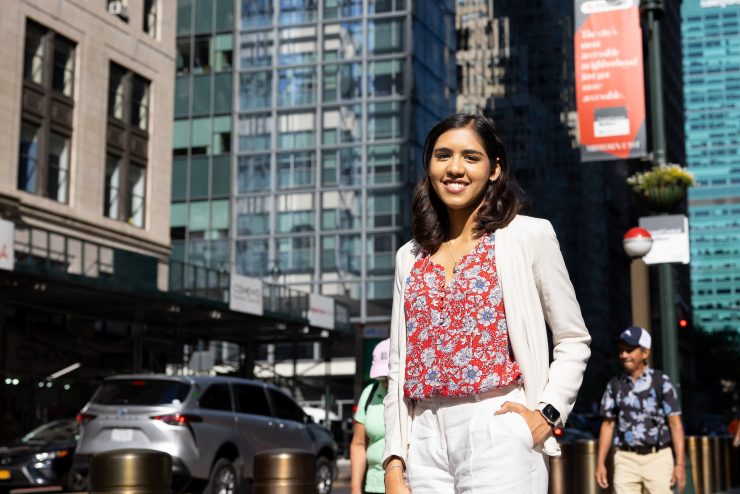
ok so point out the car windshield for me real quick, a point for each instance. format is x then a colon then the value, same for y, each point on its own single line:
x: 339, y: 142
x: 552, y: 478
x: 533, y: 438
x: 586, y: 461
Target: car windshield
x: 141, y: 392
x: 57, y: 431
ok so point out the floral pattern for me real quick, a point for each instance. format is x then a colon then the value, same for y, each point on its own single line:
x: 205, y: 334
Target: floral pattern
x: 457, y: 338
x: 640, y: 412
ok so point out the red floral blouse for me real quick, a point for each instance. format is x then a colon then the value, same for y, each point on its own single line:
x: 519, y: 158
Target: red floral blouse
x: 457, y: 339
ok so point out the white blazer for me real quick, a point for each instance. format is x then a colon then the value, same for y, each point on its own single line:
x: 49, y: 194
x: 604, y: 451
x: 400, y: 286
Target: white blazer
x: 536, y: 289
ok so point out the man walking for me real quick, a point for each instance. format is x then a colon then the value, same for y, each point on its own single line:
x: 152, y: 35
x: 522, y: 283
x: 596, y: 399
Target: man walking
x: 642, y: 405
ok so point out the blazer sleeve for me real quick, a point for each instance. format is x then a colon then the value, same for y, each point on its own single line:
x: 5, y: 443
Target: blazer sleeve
x: 392, y: 407
x: 562, y: 313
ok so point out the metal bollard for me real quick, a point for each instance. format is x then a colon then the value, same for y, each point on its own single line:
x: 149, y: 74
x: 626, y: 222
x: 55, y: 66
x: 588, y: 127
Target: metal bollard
x: 726, y: 445
x: 735, y: 465
x: 561, y: 471
x: 585, y: 467
x: 707, y: 475
x: 714, y: 441
x: 284, y: 471
x: 131, y: 471
x: 693, y: 452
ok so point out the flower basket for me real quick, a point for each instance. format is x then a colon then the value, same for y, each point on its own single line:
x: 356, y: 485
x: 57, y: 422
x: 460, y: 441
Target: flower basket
x: 662, y: 187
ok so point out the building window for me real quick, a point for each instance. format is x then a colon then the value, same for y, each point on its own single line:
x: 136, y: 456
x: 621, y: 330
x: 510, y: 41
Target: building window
x: 128, y: 143
x: 150, y: 18
x: 46, y: 118
x: 118, y: 8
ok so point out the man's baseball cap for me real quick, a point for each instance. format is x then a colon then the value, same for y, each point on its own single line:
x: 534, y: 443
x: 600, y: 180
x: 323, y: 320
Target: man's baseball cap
x: 636, y: 336
x: 381, y: 355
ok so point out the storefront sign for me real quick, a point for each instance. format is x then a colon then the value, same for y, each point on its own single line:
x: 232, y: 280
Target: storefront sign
x: 7, y: 255
x: 670, y: 239
x: 245, y: 295
x: 609, y: 80
x: 321, y: 311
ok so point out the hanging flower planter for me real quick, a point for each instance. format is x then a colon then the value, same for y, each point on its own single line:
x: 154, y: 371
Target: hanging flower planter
x: 662, y: 187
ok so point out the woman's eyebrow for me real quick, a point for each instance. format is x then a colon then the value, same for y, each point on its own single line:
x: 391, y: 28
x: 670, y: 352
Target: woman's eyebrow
x: 464, y: 151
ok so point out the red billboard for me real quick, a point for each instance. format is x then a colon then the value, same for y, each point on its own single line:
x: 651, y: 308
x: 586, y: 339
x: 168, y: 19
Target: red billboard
x: 609, y: 80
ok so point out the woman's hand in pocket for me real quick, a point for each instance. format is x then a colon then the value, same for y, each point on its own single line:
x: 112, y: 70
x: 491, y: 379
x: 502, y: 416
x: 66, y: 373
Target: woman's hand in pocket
x: 538, y: 426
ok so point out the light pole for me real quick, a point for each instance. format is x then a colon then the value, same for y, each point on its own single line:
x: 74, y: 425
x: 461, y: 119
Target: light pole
x: 653, y: 11
x: 637, y: 243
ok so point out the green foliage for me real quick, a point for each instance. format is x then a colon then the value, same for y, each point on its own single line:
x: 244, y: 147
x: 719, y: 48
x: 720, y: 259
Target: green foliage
x: 660, y: 176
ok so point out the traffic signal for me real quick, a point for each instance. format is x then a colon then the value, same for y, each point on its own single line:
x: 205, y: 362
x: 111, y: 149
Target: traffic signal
x: 683, y: 323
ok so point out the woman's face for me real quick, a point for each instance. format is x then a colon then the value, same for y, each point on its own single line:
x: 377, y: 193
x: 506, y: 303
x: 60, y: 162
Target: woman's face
x: 460, y: 170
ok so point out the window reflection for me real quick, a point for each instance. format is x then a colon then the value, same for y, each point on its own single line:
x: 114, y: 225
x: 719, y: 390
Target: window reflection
x: 256, y: 13
x: 342, y: 41
x: 254, y: 173
x: 383, y: 209
x: 298, y: 11
x: 341, y: 166
x: 253, y: 215
x: 341, y: 254
x: 296, y: 130
x: 381, y: 249
x: 342, y: 82
x: 385, y: 36
x: 342, y: 8
x: 296, y: 169
x: 295, y: 213
x: 341, y: 210
x: 342, y: 125
x: 384, y: 164
x: 255, y: 132
x: 297, y: 45
x: 297, y: 86
x: 255, y: 90
x: 380, y: 6
x: 252, y: 257
x: 295, y: 254
x: 384, y: 120
x: 385, y: 78
x: 256, y: 49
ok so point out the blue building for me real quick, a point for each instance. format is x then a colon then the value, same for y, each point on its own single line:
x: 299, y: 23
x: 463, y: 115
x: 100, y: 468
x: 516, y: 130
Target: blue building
x: 711, y: 63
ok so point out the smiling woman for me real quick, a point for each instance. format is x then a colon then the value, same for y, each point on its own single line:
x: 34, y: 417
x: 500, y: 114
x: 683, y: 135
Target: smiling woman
x: 473, y: 401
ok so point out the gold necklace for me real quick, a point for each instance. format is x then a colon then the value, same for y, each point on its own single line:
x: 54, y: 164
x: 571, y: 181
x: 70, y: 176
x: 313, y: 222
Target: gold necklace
x: 454, y: 259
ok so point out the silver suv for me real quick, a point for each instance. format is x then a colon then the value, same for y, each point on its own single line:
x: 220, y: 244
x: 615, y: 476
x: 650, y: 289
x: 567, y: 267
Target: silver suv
x: 211, y: 426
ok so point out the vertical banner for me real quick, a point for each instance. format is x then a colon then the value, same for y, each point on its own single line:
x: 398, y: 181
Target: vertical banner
x: 7, y: 256
x: 610, y: 92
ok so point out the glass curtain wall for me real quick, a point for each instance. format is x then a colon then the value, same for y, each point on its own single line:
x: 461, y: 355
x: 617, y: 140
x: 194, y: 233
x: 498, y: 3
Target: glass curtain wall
x: 201, y: 168
x: 325, y: 134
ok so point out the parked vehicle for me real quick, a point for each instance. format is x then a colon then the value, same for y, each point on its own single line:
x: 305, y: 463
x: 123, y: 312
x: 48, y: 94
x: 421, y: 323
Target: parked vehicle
x: 211, y: 426
x: 43, y: 457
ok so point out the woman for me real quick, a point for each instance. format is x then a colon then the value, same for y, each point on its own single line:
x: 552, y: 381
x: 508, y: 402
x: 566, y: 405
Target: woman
x: 366, y: 450
x: 469, y: 363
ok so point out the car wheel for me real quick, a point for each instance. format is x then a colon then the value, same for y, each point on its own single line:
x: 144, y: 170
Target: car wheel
x: 324, y: 475
x: 223, y: 478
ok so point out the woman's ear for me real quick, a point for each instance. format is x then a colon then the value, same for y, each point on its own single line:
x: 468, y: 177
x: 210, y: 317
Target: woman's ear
x: 495, y: 171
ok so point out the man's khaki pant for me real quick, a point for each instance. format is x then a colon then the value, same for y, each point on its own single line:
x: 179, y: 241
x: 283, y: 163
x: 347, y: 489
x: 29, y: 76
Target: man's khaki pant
x: 632, y: 472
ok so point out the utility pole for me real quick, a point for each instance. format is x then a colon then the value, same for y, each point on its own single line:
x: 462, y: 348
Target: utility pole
x: 653, y: 11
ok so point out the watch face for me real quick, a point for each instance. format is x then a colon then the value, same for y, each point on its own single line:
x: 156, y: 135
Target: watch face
x: 551, y: 413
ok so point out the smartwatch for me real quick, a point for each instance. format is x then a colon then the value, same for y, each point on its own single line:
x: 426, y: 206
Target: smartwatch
x: 552, y: 416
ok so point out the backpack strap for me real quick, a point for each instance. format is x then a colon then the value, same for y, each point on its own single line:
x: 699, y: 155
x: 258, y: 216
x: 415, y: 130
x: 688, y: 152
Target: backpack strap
x: 658, y: 385
x: 371, y: 395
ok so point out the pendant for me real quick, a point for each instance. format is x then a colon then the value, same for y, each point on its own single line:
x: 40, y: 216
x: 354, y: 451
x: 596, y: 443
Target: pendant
x: 454, y: 269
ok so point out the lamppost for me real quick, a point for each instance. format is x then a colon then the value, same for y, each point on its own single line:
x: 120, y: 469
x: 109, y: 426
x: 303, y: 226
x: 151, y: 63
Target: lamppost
x: 653, y: 11
x: 637, y: 243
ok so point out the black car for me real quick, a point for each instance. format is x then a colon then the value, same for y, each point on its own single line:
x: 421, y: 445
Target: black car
x: 43, y: 457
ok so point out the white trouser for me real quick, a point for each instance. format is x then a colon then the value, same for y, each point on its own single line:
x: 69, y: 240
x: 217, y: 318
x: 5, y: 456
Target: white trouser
x: 459, y: 446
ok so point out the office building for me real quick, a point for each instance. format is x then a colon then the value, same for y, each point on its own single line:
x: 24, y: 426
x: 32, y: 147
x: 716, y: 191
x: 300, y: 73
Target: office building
x: 711, y: 70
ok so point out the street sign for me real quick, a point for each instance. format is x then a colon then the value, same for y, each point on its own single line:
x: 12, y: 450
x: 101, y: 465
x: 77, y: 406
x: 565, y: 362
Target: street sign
x: 321, y: 311
x: 7, y: 256
x: 670, y: 238
x: 245, y: 295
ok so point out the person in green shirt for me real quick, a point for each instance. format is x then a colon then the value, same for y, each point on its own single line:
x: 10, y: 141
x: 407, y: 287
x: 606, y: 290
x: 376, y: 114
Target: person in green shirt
x: 368, y: 439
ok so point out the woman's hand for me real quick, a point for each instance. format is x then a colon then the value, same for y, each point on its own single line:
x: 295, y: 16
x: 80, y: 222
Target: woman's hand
x: 538, y: 426
x: 393, y: 476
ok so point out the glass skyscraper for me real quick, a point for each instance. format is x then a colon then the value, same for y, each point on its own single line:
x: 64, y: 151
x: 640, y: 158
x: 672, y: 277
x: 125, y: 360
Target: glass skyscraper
x: 711, y: 62
x: 298, y: 135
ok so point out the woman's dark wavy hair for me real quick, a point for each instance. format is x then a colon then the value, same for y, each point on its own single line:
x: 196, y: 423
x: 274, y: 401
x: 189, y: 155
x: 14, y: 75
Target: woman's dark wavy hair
x: 501, y: 202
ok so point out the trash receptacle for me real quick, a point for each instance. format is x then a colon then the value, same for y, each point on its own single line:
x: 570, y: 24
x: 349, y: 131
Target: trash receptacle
x: 131, y: 471
x: 284, y: 471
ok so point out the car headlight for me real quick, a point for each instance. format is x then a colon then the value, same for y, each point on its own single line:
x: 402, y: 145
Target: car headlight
x: 50, y: 455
